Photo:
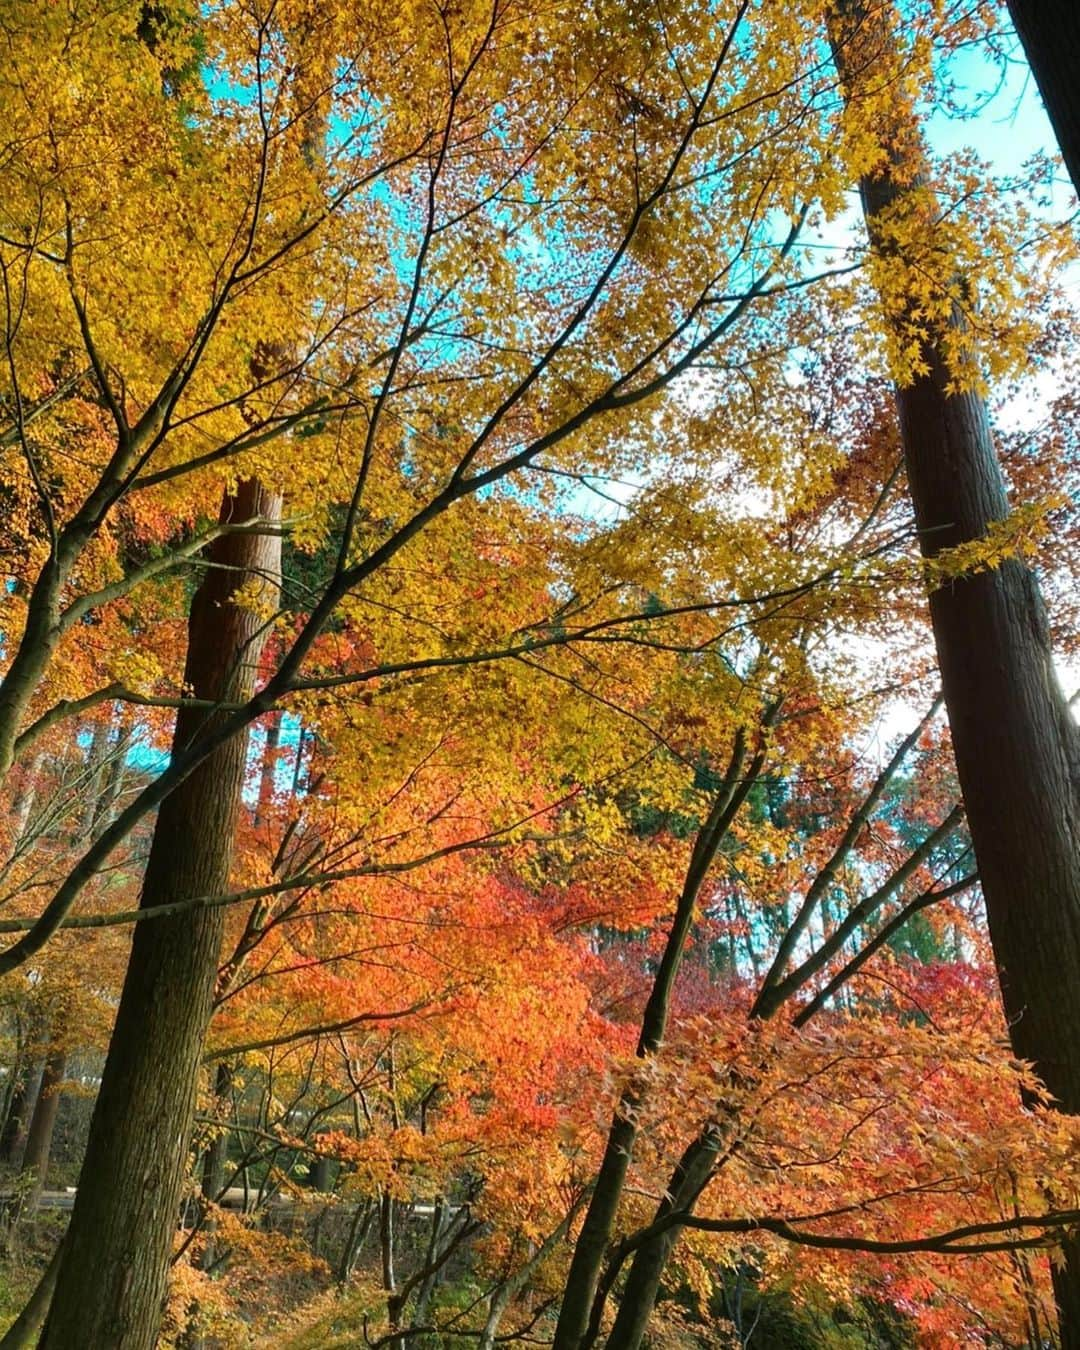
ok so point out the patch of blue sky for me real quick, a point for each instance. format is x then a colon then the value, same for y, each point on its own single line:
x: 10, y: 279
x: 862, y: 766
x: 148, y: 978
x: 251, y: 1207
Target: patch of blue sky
x: 146, y: 756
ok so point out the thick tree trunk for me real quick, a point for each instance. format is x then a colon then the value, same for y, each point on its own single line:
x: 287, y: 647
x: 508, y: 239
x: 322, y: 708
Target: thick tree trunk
x: 1017, y: 751
x: 1050, y: 32
x: 111, y: 1284
x: 1017, y: 748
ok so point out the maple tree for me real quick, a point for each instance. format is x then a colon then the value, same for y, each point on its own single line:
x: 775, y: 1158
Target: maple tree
x: 569, y: 264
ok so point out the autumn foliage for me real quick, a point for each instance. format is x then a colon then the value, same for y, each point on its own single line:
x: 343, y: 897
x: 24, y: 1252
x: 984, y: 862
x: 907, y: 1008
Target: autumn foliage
x: 599, y: 827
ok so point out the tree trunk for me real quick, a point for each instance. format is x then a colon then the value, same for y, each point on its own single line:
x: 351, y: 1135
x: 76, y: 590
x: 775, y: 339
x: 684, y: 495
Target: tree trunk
x: 114, y: 777
x: 354, y: 1243
x: 22, y: 1334
x: 1050, y: 32
x: 643, y: 1282
x: 215, y: 1160
x: 575, y: 1327
x: 111, y: 1284
x: 268, y: 775
x: 386, y: 1241
x: 1017, y: 748
x: 39, y: 1137
x: 23, y: 1095
x: 25, y: 795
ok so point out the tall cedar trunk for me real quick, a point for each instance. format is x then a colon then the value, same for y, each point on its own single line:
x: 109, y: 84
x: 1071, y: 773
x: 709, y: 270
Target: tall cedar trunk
x: 111, y: 1284
x: 39, y: 1136
x: 1017, y: 748
x: 1050, y: 32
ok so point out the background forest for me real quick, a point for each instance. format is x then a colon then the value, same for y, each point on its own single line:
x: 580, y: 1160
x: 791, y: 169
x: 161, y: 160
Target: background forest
x: 538, y: 808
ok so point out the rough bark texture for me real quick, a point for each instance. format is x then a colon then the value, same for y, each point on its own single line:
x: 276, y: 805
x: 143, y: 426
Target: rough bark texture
x: 1017, y: 748
x: 1050, y: 32
x: 1017, y: 751
x: 111, y: 1284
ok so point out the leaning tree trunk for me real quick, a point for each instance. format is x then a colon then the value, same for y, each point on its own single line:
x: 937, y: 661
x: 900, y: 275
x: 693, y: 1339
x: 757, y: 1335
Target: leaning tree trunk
x: 111, y: 1285
x: 1050, y: 32
x: 1017, y: 748
x: 691, y: 1176
x: 576, y: 1328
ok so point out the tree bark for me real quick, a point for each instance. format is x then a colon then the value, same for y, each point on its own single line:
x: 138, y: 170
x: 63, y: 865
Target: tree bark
x: 13, y: 1138
x: 643, y: 1283
x: 39, y: 1136
x: 1017, y: 748
x: 1050, y: 33
x: 111, y: 1285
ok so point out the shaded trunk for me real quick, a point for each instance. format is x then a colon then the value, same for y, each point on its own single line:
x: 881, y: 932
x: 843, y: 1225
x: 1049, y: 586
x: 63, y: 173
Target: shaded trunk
x: 118, y: 750
x: 39, y: 1137
x: 354, y: 1242
x: 577, y: 1314
x: 96, y: 757
x: 268, y: 774
x: 23, y: 1095
x: 386, y: 1241
x: 111, y: 1284
x: 25, y: 796
x: 1017, y: 748
x: 1050, y: 32
x: 643, y: 1282
x: 215, y: 1160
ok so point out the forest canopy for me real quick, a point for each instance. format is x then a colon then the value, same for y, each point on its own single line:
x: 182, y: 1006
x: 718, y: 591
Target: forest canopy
x: 540, y: 548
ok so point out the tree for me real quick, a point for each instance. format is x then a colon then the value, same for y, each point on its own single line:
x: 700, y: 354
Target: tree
x: 1050, y: 33
x: 472, y: 656
x: 129, y: 1191
x: 1021, y: 784
x: 203, y: 366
